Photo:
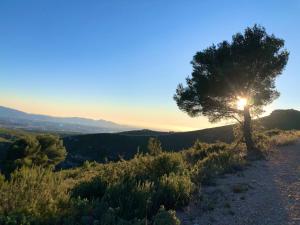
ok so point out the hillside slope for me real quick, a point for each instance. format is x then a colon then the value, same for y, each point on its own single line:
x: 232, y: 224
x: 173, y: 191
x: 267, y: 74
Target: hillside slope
x: 125, y: 144
x: 282, y: 119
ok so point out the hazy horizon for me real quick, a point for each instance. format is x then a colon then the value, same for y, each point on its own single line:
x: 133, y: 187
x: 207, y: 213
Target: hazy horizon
x: 120, y: 61
x: 139, y: 127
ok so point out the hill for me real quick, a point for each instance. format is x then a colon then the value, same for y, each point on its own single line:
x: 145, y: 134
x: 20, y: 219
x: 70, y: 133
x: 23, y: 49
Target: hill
x: 15, y: 119
x: 112, y: 146
x: 282, y: 119
x: 126, y: 144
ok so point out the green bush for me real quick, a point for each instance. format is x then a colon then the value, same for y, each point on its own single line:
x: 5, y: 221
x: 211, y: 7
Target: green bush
x: 2, y: 179
x: 79, y: 211
x: 34, y: 192
x: 201, y: 150
x: 41, y: 150
x: 17, y: 219
x: 165, y: 217
x: 166, y: 163
x: 93, y: 189
x: 173, y: 191
x: 116, y: 193
x: 111, y: 218
x: 132, y: 189
x: 129, y: 198
x: 216, y: 164
x: 154, y: 146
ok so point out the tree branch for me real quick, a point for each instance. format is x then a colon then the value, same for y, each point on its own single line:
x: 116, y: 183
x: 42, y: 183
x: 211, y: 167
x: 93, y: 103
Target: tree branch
x: 233, y: 116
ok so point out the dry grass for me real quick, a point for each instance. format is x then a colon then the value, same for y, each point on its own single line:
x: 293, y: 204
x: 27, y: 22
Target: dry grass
x: 285, y: 138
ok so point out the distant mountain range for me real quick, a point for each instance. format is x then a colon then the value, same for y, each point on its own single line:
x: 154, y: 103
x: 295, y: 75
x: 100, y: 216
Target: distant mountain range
x: 15, y: 119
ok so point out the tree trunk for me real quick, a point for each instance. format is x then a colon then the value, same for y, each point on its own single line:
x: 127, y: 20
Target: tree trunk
x: 253, y: 153
x: 247, y: 130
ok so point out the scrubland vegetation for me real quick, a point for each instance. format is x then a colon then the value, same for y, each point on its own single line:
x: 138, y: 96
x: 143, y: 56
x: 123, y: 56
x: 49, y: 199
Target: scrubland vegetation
x: 279, y: 138
x: 144, y: 190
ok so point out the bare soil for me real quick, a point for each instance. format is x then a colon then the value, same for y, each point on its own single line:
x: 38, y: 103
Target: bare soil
x: 267, y: 192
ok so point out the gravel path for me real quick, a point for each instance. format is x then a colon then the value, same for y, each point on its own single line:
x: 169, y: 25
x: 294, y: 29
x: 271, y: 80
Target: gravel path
x: 266, y: 193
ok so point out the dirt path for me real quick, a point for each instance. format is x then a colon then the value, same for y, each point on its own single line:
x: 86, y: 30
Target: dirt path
x: 266, y: 193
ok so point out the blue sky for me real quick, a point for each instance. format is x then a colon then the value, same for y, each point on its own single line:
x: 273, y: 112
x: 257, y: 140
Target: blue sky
x: 122, y: 60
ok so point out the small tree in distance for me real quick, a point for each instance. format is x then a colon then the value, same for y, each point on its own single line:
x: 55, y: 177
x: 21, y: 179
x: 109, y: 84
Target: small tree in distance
x: 41, y: 150
x: 154, y: 146
x: 234, y: 79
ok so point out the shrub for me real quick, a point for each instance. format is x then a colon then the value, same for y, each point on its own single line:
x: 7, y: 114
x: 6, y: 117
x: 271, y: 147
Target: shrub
x: 262, y: 141
x: 165, y: 164
x: 79, y: 212
x: 129, y: 190
x: 42, y: 150
x: 215, y: 164
x: 164, y: 217
x: 154, y: 146
x: 129, y: 198
x: 17, y: 219
x: 173, y: 191
x: 93, y: 189
x: 111, y: 218
x: 20, y: 153
x: 116, y: 193
x: 2, y: 179
x: 267, y: 140
x: 35, y: 192
x: 201, y: 150
x: 273, y: 132
x: 284, y: 138
x: 52, y: 150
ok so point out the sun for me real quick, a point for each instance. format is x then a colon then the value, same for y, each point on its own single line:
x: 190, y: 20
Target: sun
x: 241, y: 103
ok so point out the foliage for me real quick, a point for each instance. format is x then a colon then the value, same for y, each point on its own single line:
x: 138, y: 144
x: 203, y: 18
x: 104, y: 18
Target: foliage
x: 245, y: 67
x: 165, y: 217
x: 41, y: 150
x: 133, y: 192
x: 129, y: 198
x: 201, y: 150
x: 139, y: 188
x: 165, y: 164
x: 278, y: 137
x: 266, y: 140
x: 90, y: 190
x: 2, y: 179
x: 216, y: 164
x: 32, y: 192
x: 154, y: 146
x: 17, y: 219
x: 173, y: 191
x: 52, y: 150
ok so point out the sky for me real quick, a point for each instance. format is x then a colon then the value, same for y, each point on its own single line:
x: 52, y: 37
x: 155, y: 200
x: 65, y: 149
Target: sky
x: 122, y: 60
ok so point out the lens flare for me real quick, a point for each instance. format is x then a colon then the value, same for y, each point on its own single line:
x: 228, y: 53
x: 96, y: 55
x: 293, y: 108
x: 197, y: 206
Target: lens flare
x: 241, y: 103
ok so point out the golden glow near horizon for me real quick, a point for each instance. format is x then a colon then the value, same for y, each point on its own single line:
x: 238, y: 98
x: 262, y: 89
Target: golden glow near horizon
x: 241, y: 103
x: 146, y: 117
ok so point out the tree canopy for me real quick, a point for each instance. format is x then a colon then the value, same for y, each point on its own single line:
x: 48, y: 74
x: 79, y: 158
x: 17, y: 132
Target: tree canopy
x: 246, y: 68
x: 41, y: 150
